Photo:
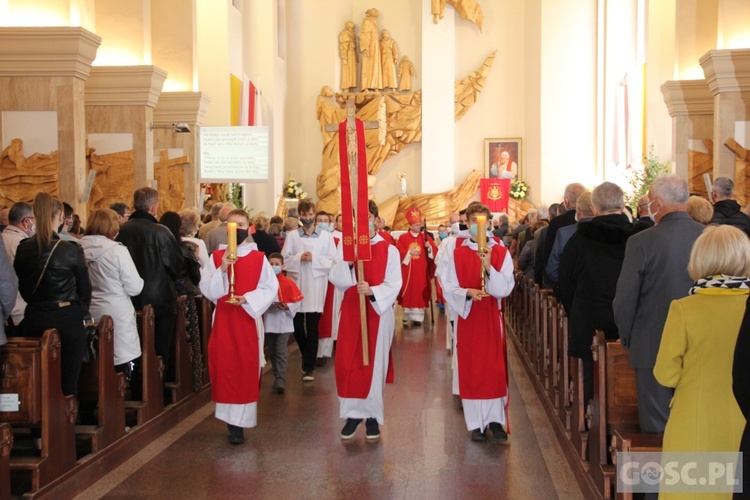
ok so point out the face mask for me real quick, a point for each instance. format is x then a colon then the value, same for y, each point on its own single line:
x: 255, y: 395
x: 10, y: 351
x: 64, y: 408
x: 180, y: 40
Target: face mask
x: 454, y: 228
x: 443, y: 235
x: 473, y: 229
x: 462, y: 227
x: 32, y: 231
x: 276, y: 270
x: 651, y: 215
x: 372, y: 226
x: 323, y: 226
x: 307, y: 222
x: 241, y: 235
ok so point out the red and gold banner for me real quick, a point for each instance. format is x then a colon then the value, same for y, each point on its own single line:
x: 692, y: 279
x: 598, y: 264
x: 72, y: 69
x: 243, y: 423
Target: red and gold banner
x: 495, y: 193
x: 356, y: 234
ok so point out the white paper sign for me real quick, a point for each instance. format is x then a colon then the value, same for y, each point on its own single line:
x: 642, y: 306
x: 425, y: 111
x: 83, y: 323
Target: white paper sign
x: 9, y: 402
x: 234, y: 154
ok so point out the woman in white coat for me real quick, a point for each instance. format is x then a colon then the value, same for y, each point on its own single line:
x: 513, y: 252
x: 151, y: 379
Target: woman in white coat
x: 114, y: 279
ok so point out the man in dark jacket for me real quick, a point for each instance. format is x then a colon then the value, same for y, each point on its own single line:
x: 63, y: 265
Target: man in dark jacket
x: 726, y: 210
x: 570, y: 197
x: 158, y: 258
x: 588, y: 273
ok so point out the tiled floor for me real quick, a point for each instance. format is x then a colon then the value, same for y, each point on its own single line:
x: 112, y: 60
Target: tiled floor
x: 296, y: 452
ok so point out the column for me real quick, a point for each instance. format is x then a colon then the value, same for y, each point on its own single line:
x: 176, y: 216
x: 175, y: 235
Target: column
x: 438, y: 96
x: 691, y: 106
x: 46, y: 69
x: 728, y: 76
x: 121, y: 99
x: 182, y: 107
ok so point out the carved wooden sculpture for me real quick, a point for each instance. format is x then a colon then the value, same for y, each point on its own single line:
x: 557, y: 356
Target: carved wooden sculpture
x: 700, y: 163
x: 405, y: 74
x: 170, y: 178
x: 467, y: 9
x: 114, y: 180
x: 349, y: 57
x: 22, y: 178
x: 369, y: 46
x: 389, y: 55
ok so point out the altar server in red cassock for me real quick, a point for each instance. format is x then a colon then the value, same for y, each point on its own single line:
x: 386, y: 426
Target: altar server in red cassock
x: 417, y: 268
x: 234, y: 348
x: 360, y: 387
x: 480, y: 343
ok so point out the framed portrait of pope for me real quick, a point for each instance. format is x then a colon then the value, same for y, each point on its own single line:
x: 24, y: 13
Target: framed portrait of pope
x: 502, y: 158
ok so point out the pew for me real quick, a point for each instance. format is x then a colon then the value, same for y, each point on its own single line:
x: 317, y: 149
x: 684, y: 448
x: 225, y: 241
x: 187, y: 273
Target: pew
x: 6, y: 443
x: 180, y: 379
x: 614, y: 408
x: 578, y: 415
x: 99, y: 382
x: 205, y: 316
x: 543, y: 330
x: 31, y: 370
x: 152, y: 371
x: 553, y: 364
x: 565, y: 391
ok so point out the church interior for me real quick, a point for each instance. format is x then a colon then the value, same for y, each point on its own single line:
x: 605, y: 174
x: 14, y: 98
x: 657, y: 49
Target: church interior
x: 99, y: 98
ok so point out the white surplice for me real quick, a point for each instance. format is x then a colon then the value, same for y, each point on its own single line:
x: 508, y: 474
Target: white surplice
x: 343, y: 277
x: 214, y: 285
x: 311, y: 277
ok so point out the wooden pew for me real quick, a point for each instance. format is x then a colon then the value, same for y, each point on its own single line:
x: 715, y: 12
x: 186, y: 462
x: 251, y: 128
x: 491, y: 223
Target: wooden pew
x: 99, y: 382
x: 205, y: 316
x: 542, y: 344
x: 553, y: 360
x: 565, y: 392
x: 180, y: 379
x: 31, y: 369
x: 614, y: 408
x: 152, y: 371
x: 6, y: 443
x: 578, y: 416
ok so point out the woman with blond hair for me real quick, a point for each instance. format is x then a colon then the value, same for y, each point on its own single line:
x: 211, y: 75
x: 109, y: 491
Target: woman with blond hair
x: 54, y: 282
x: 698, y: 342
x: 114, y: 280
x: 190, y: 222
x: 700, y: 209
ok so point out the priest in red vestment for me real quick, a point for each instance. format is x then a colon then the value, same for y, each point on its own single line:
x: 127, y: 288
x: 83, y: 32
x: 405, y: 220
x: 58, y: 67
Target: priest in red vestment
x: 360, y: 387
x: 234, y: 348
x: 481, y: 374
x: 417, y: 251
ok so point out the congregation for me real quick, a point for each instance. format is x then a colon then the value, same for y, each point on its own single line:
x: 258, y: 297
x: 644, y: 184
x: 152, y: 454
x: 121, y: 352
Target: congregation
x: 670, y: 281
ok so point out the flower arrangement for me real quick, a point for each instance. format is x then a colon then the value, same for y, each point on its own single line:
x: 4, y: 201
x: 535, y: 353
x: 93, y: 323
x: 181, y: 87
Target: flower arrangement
x: 293, y: 190
x: 518, y: 190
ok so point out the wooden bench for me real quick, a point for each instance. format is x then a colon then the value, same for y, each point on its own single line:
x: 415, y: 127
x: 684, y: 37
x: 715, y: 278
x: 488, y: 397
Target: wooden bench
x: 578, y: 416
x: 566, y: 390
x: 553, y: 363
x: 542, y: 351
x: 6, y: 443
x: 99, y: 382
x: 31, y: 370
x: 180, y: 378
x: 152, y: 371
x: 205, y: 317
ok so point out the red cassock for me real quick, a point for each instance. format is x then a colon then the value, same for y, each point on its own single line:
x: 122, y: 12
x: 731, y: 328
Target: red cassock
x: 353, y: 379
x: 387, y: 237
x: 325, y: 325
x: 233, y: 345
x: 481, y: 336
x: 415, y: 288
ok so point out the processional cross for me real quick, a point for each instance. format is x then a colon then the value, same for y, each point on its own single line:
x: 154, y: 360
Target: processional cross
x: 354, y: 201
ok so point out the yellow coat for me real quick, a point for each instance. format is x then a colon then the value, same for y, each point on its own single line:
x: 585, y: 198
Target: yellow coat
x: 695, y: 357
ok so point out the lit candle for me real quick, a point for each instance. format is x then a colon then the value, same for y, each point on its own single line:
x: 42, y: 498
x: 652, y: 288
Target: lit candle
x: 232, y: 238
x: 482, y: 231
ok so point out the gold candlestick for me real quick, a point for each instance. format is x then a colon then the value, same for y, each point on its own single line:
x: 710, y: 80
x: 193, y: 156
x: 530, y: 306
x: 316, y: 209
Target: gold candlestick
x: 232, y: 254
x: 482, y: 247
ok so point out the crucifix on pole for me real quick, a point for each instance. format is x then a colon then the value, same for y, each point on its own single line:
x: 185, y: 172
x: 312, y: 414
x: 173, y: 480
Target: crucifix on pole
x: 354, y: 201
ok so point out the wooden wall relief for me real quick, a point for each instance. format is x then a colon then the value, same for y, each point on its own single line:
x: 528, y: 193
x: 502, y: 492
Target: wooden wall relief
x: 114, y: 182
x: 22, y: 178
x: 700, y: 163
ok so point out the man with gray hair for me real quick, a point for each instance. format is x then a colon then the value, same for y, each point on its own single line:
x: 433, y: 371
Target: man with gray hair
x: 213, y: 223
x: 21, y: 225
x: 218, y: 235
x: 726, y: 210
x: 654, y: 273
x: 572, y: 192
x: 588, y: 273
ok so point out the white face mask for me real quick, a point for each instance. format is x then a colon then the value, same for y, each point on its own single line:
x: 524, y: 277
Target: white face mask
x: 455, y: 229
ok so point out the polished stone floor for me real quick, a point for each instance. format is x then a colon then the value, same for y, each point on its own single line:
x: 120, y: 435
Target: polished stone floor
x: 295, y: 451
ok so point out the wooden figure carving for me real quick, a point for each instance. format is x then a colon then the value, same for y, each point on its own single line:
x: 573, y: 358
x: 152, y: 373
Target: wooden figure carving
x: 369, y: 46
x: 467, y: 9
x: 349, y: 57
x: 114, y: 180
x: 22, y: 178
x: 389, y: 54
x: 405, y: 74
x: 170, y: 181
x: 700, y: 163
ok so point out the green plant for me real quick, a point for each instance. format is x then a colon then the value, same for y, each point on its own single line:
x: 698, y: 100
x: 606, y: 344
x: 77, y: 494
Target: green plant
x: 642, y: 176
x: 518, y: 190
x: 235, y: 196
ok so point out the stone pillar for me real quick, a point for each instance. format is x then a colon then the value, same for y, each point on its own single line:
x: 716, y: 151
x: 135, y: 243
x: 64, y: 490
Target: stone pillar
x: 728, y: 76
x: 691, y: 106
x: 45, y: 69
x: 182, y: 107
x: 438, y: 96
x: 121, y: 99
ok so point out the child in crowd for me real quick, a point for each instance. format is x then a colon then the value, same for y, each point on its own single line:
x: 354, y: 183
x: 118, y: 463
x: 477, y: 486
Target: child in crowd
x: 279, y: 321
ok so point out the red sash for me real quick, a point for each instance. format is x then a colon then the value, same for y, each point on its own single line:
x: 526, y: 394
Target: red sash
x: 233, y: 345
x: 353, y: 379
x: 480, y: 344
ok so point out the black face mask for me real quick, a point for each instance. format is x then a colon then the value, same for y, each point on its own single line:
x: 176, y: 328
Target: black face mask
x: 241, y: 235
x: 307, y: 222
x: 463, y: 227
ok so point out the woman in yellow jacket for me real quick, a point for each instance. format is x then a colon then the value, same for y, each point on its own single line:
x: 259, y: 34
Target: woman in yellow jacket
x: 697, y: 347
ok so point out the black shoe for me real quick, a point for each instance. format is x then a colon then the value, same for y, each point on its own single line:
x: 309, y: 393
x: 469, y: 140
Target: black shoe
x: 373, y: 431
x: 236, y: 434
x: 350, y: 428
x: 321, y: 361
x: 278, y: 389
x: 417, y: 323
x: 308, y: 377
x: 498, y: 432
x: 478, y: 435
